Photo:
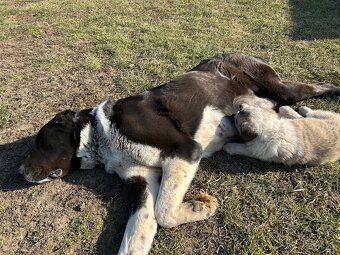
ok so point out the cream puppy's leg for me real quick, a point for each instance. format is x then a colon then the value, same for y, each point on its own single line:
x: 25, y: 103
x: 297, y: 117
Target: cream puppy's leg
x: 170, y: 209
x: 308, y: 112
x: 238, y: 149
x: 288, y: 112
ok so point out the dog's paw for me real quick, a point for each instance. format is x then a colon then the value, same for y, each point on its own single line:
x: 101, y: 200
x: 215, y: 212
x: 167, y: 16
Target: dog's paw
x: 304, y: 110
x: 205, y: 203
x: 335, y: 90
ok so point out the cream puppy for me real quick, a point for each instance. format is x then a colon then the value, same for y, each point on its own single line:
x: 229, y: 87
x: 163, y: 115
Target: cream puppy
x: 308, y: 137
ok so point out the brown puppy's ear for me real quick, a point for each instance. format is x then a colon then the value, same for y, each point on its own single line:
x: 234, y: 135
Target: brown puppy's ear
x: 247, y: 134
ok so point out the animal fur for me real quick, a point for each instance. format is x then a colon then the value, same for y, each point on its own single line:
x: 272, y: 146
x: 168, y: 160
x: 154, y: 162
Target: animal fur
x: 164, y: 131
x: 308, y: 137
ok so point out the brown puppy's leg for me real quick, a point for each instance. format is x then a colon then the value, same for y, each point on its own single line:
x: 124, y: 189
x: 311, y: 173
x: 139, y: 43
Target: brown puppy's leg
x: 298, y: 91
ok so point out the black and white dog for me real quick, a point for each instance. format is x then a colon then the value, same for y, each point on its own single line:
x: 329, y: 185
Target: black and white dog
x: 162, y: 134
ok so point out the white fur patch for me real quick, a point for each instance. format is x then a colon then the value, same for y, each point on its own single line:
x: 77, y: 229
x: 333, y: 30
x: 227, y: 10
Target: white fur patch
x: 142, y: 225
x: 213, y: 131
x: 85, y: 150
x: 107, y: 145
x: 44, y: 180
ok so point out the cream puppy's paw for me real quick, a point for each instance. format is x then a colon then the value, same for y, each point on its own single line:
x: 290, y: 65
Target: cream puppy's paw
x: 288, y: 112
x: 229, y: 148
x: 304, y: 110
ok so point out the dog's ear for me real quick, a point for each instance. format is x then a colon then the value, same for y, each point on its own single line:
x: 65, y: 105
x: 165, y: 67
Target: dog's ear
x: 247, y: 134
x: 64, y: 116
x: 108, y: 107
x: 82, y: 117
x: 59, y: 118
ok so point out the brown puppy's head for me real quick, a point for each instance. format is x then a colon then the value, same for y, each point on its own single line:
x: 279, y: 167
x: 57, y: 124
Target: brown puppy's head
x: 254, y: 121
x: 54, y: 155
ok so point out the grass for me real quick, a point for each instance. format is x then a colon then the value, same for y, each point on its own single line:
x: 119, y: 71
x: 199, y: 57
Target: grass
x: 60, y: 54
x: 4, y: 114
x: 91, y: 62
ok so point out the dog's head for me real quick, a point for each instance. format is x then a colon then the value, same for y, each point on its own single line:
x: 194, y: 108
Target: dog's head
x: 254, y: 121
x: 56, y: 145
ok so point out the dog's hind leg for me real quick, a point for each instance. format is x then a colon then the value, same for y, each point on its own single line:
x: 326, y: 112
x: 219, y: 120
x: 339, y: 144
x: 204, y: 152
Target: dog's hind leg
x: 292, y: 92
x: 271, y: 85
x: 143, y: 187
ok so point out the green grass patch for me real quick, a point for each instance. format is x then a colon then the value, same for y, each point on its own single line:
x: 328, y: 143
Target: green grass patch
x: 83, y: 228
x: 49, y: 62
x: 91, y: 63
x: 35, y: 30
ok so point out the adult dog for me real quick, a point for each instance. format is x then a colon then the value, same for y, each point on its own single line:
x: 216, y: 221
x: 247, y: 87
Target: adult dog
x: 164, y: 131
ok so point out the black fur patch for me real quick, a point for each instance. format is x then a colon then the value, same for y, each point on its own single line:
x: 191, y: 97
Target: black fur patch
x: 136, y: 192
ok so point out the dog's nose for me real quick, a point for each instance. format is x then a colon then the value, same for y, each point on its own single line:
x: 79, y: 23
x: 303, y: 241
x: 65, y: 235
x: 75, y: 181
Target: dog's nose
x: 21, y: 169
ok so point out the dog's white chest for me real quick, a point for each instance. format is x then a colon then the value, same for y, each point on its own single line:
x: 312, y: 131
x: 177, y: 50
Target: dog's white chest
x: 213, y: 131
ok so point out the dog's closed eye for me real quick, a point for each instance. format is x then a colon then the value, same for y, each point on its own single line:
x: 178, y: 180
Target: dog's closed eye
x: 56, y: 173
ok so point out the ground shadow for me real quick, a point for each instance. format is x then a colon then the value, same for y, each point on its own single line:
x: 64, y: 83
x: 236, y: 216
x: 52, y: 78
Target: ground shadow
x: 221, y: 162
x: 315, y: 19
x: 110, y: 188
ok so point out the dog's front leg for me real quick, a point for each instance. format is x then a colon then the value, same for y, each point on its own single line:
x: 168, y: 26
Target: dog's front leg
x: 170, y: 209
x: 143, y: 187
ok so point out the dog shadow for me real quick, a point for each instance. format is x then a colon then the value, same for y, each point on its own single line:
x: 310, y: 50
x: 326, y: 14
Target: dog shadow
x: 109, y: 188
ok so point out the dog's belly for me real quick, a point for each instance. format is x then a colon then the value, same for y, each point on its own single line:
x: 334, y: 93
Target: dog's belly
x: 214, y: 130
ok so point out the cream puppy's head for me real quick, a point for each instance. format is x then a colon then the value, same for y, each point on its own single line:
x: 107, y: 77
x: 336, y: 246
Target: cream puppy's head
x: 252, y: 122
